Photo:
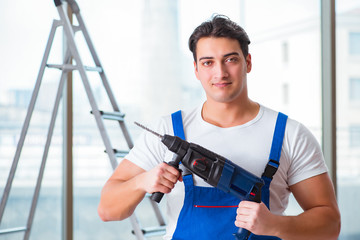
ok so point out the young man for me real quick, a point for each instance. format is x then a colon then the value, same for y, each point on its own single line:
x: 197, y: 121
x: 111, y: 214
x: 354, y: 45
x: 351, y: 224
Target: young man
x: 234, y: 126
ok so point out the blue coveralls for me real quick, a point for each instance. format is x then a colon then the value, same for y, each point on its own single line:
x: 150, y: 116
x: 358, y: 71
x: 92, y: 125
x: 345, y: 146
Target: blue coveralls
x: 209, y: 213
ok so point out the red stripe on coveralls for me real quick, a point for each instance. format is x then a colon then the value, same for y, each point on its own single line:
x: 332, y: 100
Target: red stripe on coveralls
x: 202, y: 206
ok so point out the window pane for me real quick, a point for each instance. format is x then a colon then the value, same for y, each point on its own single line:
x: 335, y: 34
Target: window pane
x: 354, y: 43
x: 354, y: 136
x: 24, y: 33
x: 348, y: 114
x: 354, y: 89
x: 286, y: 61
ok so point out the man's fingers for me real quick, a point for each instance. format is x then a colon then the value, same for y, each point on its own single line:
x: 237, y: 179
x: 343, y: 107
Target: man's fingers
x: 247, y: 204
x: 171, y: 169
x: 243, y: 211
x: 253, y: 216
x: 166, y: 177
x: 169, y: 173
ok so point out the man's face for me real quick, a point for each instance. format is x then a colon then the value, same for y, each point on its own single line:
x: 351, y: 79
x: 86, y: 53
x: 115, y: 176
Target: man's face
x: 221, y: 68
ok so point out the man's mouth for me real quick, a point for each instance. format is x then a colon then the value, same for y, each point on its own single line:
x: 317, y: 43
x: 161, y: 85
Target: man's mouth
x: 221, y: 84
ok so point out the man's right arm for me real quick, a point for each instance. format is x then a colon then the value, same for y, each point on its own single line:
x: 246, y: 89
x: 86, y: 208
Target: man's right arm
x: 128, y: 185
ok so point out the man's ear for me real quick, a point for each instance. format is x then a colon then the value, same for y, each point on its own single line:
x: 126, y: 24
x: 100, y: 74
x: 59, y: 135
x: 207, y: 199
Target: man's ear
x: 196, y: 70
x: 248, y: 63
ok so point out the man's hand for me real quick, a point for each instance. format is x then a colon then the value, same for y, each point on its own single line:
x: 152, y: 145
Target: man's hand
x: 319, y: 220
x: 255, y: 217
x: 162, y: 178
x: 128, y: 185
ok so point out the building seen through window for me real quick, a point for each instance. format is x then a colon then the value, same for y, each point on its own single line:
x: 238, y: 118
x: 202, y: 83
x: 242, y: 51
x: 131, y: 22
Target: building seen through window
x: 354, y: 89
x: 354, y: 43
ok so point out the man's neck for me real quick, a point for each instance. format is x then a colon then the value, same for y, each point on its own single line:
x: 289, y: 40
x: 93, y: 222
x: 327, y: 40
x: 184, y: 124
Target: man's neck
x: 229, y: 114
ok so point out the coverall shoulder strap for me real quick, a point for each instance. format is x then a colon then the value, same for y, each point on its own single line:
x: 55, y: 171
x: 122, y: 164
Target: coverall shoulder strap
x: 275, y: 152
x: 178, y: 124
x: 178, y: 128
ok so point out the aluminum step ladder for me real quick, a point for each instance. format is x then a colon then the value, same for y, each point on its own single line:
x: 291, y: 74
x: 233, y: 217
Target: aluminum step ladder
x: 72, y: 53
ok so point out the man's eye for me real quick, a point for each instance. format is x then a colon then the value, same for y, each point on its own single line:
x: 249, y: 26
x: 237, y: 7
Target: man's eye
x: 207, y: 63
x: 233, y: 59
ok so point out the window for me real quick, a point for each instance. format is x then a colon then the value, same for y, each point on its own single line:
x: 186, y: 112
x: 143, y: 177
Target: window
x: 354, y: 43
x: 285, y: 52
x: 354, y: 136
x: 354, y: 89
x: 348, y: 121
x: 142, y: 73
x: 285, y: 93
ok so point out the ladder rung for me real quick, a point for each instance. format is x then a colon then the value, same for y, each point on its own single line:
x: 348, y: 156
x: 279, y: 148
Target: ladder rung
x: 12, y: 230
x: 120, y: 153
x: 93, y: 69
x: 118, y: 116
x: 76, y: 28
x: 153, y: 231
x: 71, y: 67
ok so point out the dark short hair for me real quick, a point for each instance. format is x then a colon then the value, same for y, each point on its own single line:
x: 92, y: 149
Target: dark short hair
x: 220, y: 26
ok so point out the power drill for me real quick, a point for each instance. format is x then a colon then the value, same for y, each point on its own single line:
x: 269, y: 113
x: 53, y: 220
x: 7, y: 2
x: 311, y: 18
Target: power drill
x: 216, y: 170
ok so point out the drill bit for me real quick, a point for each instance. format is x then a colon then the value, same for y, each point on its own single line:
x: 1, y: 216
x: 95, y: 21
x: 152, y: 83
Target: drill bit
x: 149, y: 130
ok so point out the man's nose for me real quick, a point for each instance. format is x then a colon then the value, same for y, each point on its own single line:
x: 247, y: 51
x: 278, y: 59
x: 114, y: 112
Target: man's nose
x: 221, y: 71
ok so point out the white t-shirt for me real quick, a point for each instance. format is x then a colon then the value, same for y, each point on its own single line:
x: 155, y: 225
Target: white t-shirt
x: 246, y: 145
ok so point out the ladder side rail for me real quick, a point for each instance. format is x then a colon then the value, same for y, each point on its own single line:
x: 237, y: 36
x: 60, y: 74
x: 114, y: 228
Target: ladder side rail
x: 44, y: 158
x: 136, y: 227
x: 70, y: 38
x: 73, y: 5
x: 75, y: 53
x: 104, y: 78
x: 27, y: 119
x: 97, y: 61
x: 45, y: 153
x: 137, y: 230
x: 126, y: 134
x: 158, y: 214
x: 134, y: 222
x: 133, y: 219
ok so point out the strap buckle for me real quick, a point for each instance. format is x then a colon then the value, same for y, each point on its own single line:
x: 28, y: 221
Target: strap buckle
x: 271, y: 169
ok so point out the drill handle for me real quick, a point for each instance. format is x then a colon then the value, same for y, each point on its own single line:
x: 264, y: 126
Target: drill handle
x: 244, y: 234
x: 157, y: 196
